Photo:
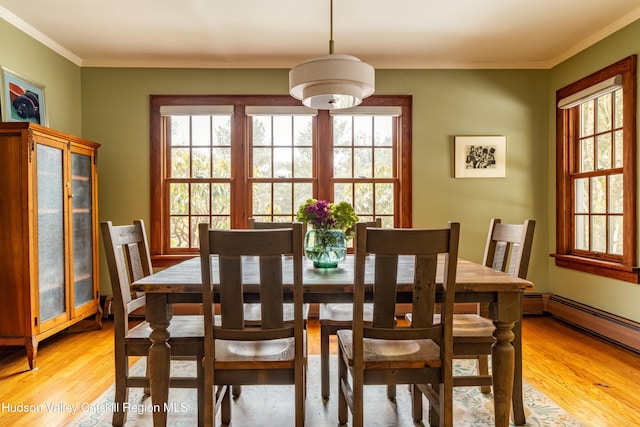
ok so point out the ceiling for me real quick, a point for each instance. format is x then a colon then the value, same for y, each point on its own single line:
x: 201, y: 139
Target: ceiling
x: 282, y: 33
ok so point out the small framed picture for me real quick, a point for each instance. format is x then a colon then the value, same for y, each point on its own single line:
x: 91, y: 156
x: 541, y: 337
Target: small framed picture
x: 22, y: 99
x: 480, y: 156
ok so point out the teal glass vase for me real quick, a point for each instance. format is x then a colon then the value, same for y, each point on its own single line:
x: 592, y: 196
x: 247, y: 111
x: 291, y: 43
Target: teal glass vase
x: 325, y: 247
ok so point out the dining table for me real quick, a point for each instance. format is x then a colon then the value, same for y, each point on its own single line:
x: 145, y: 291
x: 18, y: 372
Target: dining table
x: 475, y: 282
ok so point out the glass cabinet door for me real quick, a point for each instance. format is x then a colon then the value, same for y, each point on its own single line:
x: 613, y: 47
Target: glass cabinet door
x: 51, y: 243
x: 82, y: 214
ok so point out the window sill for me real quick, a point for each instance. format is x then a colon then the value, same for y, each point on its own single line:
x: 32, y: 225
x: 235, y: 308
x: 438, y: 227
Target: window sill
x: 601, y: 268
x: 163, y: 261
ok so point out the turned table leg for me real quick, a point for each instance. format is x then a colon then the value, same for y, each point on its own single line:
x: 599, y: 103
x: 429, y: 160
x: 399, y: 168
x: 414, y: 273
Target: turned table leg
x: 502, y: 359
x: 158, y: 315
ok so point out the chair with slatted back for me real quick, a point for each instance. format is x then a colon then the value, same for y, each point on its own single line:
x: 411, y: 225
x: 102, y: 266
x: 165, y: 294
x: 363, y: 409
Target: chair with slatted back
x: 508, y: 249
x: 241, y: 353
x: 252, y: 311
x: 128, y: 259
x: 385, y: 352
x: 333, y: 317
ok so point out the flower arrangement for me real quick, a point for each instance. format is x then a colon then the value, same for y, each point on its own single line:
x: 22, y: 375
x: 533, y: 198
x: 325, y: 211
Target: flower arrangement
x: 321, y: 214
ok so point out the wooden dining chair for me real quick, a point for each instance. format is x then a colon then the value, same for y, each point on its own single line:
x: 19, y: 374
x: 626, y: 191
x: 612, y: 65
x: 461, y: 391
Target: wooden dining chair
x: 128, y: 260
x: 252, y: 311
x: 241, y: 353
x: 333, y: 317
x: 508, y: 249
x: 384, y: 352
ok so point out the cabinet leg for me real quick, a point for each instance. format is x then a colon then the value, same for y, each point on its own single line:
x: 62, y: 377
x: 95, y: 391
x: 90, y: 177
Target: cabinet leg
x: 99, y: 318
x: 31, y: 345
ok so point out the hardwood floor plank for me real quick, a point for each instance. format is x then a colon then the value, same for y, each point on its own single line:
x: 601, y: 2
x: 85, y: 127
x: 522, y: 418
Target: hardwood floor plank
x: 594, y: 380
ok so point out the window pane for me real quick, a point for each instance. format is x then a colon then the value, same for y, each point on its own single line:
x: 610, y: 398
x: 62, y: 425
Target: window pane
x: 604, y: 151
x: 201, y: 162
x: 221, y: 130
x: 262, y: 163
x: 220, y: 199
x: 363, y: 163
x: 180, y: 163
x: 179, y: 199
x: 220, y: 223
x: 618, y: 110
x: 179, y: 130
x: 599, y: 194
x: 582, y: 195
x: 364, y: 198
x: 384, y: 199
x: 362, y: 130
x: 342, y: 163
x: 261, y: 130
x: 586, y: 155
x: 618, y: 154
x: 201, y: 130
x: 615, y: 235
x: 301, y: 193
x: 282, y: 162
x: 261, y: 199
x: 302, y: 162
x: 179, y: 232
x: 343, y: 193
x: 604, y: 113
x: 599, y: 233
x: 200, y: 199
x: 195, y: 220
x: 586, y: 119
x: 383, y: 163
x: 303, y: 130
x: 615, y: 194
x: 221, y: 163
x: 582, y: 232
x: 342, y: 130
x: 383, y: 126
x: 282, y: 199
x: 282, y: 130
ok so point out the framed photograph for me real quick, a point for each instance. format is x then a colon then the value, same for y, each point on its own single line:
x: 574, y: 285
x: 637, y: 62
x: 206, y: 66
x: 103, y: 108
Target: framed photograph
x: 22, y: 99
x: 480, y: 156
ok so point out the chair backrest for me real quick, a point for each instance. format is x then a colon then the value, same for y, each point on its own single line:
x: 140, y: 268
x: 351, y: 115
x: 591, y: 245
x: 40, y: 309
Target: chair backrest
x: 385, y: 245
x: 508, y: 247
x: 271, y: 248
x: 264, y: 225
x: 128, y: 259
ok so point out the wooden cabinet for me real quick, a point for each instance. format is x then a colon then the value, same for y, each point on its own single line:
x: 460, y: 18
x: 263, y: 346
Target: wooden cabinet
x: 48, y: 233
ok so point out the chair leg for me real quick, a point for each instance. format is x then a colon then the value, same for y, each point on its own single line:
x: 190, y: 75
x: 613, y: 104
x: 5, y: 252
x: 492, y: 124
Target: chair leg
x: 416, y: 404
x: 391, y: 392
x: 225, y: 410
x: 324, y: 361
x: 200, y: 385
x: 483, y: 369
x: 516, y: 399
x: 343, y: 414
x: 121, y: 389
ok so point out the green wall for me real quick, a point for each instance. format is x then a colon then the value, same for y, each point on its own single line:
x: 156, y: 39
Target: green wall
x: 60, y: 77
x: 613, y: 296
x: 446, y: 103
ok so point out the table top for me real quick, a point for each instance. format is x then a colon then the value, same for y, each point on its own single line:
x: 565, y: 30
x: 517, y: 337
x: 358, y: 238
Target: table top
x: 470, y: 277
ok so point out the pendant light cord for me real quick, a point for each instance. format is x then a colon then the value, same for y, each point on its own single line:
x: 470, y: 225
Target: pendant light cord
x: 330, y: 27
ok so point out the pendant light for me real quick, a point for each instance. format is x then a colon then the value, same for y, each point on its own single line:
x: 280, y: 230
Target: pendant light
x: 331, y: 82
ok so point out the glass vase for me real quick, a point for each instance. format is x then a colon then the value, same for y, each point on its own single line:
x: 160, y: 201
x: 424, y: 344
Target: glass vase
x: 325, y: 247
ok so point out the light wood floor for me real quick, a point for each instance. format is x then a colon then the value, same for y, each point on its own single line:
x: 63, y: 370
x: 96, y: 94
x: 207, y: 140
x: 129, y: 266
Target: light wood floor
x: 594, y: 380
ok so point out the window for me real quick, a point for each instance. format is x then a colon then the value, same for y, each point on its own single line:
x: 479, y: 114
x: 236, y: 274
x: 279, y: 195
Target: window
x: 596, y: 173
x: 224, y: 159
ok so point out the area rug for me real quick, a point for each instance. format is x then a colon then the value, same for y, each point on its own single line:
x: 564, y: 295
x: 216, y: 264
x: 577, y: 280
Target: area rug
x: 273, y: 405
